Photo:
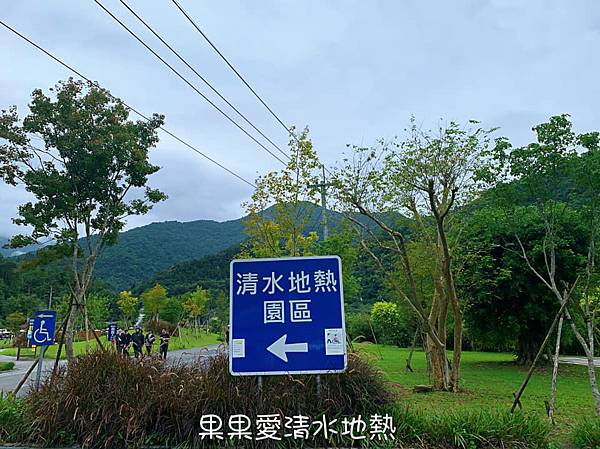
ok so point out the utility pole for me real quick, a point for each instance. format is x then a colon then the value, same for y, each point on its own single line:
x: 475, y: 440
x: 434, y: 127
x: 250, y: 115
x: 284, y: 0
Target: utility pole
x: 323, y: 186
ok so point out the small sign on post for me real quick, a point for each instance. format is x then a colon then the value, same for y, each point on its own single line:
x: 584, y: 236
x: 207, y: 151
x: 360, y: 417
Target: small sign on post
x: 42, y: 334
x: 111, y: 331
x: 287, y: 316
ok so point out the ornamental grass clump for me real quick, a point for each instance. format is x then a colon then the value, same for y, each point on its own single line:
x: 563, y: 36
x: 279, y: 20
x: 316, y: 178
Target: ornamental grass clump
x: 586, y: 433
x: 467, y: 429
x: 13, y: 425
x: 106, y: 400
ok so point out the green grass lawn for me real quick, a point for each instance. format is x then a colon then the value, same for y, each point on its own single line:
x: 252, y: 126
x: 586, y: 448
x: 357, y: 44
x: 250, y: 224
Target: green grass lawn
x: 488, y: 380
x: 189, y: 339
x: 6, y: 366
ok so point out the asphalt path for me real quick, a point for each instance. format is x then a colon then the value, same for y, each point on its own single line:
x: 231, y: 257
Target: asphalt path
x: 579, y: 361
x: 10, y: 379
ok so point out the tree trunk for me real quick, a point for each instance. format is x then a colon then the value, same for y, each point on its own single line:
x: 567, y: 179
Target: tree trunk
x: 434, y: 358
x: 412, y: 350
x: 591, y: 370
x: 69, y: 333
x: 555, y: 370
x: 450, y: 293
x: 527, y: 347
x: 87, y: 326
x: 456, y: 357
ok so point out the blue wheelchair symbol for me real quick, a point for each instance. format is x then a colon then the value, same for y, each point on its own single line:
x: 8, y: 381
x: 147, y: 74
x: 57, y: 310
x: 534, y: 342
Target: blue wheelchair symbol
x: 42, y: 333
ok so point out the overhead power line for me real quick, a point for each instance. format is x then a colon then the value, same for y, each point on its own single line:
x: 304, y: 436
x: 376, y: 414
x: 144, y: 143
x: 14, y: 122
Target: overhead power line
x: 185, y: 80
x: 182, y: 59
x: 162, y: 128
x: 189, y: 18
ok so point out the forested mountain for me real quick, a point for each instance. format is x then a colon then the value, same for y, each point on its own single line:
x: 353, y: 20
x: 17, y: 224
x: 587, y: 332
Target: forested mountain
x: 209, y: 272
x: 144, y: 251
x: 11, y: 252
x: 141, y: 253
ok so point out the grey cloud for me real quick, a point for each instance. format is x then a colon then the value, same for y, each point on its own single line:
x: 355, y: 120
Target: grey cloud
x: 353, y: 71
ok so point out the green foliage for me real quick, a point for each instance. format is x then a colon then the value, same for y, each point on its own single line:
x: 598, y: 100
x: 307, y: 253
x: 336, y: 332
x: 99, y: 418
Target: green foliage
x: 148, y: 251
x: 14, y: 322
x: 358, y: 326
x: 93, y: 155
x: 98, y: 309
x: 389, y: 325
x: 26, y: 289
x: 172, y: 310
x: 6, y: 366
x: 153, y: 299
x: 586, y: 434
x: 496, y: 281
x: 342, y: 245
x: 13, y: 424
x: 471, y: 429
x: 292, y: 192
x: 195, y: 303
x: 156, y: 326
x: 127, y: 305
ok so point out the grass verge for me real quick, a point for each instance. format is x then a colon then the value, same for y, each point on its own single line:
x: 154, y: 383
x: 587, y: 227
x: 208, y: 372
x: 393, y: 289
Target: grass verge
x: 586, y: 434
x: 488, y: 380
x: 6, y: 366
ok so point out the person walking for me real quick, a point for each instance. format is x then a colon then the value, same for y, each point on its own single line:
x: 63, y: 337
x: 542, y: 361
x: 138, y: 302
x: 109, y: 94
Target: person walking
x: 150, y: 339
x: 227, y: 335
x: 137, y: 339
x: 164, y: 343
x: 125, y: 342
x: 118, y: 343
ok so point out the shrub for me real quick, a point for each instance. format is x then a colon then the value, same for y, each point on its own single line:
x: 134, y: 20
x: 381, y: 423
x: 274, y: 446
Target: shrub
x: 389, y: 325
x: 215, y: 325
x: 105, y: 400
x: 586, y: 434
x: 358, y: 326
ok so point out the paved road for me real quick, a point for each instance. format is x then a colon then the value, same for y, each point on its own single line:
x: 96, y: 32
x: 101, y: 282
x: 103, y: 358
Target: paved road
x: 579, y: 361
x: 10, y: 379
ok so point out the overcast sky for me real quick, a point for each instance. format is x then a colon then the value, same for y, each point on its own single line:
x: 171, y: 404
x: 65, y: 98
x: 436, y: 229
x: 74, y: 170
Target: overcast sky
x: 353, y: 71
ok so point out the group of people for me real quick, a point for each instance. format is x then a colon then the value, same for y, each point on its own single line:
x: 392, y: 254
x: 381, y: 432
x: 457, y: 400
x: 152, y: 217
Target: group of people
x: 137, y: 340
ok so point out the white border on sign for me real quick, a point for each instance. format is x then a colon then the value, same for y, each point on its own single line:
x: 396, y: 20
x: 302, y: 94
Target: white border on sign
x: 283, y: 373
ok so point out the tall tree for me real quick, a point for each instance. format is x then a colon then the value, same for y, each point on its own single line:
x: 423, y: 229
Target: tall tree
x: 280, y: 230
x: 82, y: 158
x: 536, y: 173
x: 153, y: 299
x: 196, y: 303
x: 128, y: 306
x: 425, y: 175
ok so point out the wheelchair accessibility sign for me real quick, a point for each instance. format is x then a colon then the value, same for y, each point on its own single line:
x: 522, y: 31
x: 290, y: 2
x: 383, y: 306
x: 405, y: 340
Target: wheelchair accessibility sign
x: 42, y: 333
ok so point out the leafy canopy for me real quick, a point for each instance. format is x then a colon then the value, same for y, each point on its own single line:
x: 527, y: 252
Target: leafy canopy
x: 79, y: 155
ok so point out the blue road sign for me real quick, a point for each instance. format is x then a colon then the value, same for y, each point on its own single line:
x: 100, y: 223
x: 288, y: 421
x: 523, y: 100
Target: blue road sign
x: 111, y: 331
x: 42, y: 333
x: 287, y: 316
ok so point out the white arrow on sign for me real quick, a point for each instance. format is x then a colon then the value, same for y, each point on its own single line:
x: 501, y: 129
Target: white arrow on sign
x: 280, y: 348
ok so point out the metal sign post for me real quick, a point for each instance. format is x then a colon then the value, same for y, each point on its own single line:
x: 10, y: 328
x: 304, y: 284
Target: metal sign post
x: 38, y: 375
x: 287, y: 316
x: 42, y: 334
